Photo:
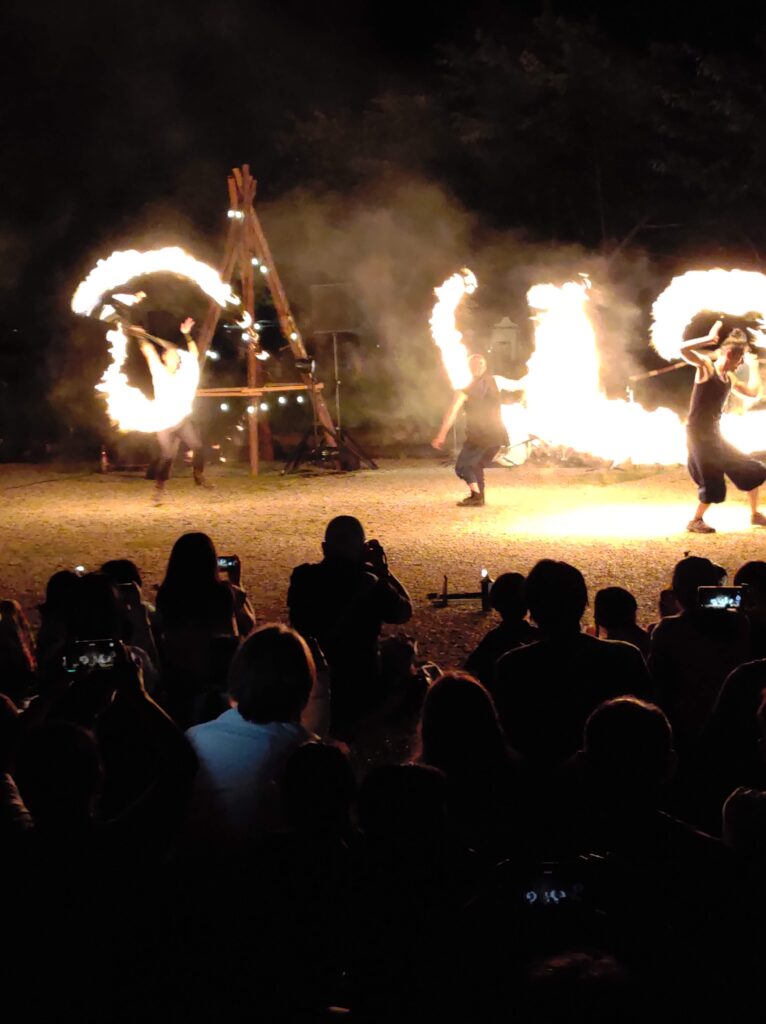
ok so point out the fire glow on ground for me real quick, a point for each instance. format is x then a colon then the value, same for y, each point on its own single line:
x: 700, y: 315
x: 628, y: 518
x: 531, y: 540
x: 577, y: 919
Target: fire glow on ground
x: 619, y: 527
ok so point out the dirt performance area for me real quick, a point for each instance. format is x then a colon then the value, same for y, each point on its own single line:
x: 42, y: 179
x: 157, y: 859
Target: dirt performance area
x: 622, y: 528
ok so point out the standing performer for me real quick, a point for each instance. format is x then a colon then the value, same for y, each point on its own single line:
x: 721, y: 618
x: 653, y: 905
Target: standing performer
x: 485, y: 432
x: 710, y: 456
x: 175, y: 377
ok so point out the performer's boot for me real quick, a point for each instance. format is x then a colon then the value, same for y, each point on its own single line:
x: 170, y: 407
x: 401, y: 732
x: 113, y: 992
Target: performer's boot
x: 159, y: 492
x: 200, y: 479
x: 474, y: 500
x: 699, y: 526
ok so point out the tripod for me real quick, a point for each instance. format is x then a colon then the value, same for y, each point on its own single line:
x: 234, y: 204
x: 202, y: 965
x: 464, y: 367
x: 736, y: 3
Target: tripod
x: 346, y: 454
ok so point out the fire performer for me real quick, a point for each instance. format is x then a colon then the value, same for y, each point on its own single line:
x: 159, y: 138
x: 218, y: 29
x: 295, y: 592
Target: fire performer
x: 175, y: 376
x: 485, y: 433
x: 711, y: 458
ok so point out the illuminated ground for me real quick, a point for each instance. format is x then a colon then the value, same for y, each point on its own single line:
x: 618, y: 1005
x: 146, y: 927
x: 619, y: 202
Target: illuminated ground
x: 619, y: 528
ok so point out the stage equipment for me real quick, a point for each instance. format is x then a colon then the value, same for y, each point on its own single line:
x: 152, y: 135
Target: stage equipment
x: 247, y: 254
x: 440, y: 599
x: 332, y: 313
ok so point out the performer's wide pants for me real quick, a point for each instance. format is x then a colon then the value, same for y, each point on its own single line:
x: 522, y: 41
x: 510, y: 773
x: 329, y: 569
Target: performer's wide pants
x: 169, y: 440
x: 711, y: 459
x: 471, y: 463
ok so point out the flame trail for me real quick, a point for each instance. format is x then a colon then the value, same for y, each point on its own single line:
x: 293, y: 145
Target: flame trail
x: 127, y: 406
x: 565, y: 403
x: 736, y: 292
x: 121, y: 267
x: 444, y: 329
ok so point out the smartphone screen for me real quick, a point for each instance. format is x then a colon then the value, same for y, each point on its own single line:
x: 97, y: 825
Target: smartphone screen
x: 86, y: 656
x: 730, y: 598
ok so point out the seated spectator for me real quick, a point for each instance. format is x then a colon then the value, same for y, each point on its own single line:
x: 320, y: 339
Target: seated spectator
x: 124, y: 575
x: 342, y: 602
x: 60, y: 770
x: 692, y: 653
x: 744, y: 824
x: 461, y: 736
x: 411, y: 880
x: 54, y: 619
x: 753, y: 576
x: 545, y: 691
x: 199, y: 614
x: 507, y: 596
x: 667, y: 605
x: 17, y: 653
x: 732, y: 746
x: 615, y: 611
x: 237, y: 795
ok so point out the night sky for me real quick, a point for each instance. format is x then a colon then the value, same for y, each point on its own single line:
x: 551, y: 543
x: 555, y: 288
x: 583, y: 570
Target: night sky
x: 117, y: 114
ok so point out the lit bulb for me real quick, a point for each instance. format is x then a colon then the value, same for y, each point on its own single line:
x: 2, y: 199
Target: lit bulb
x: 222, y: 458
x: 231, y: 214
x: 251, y: 409
x: 264, y: 406
x: 240, y: 427
x: 293, y: 336
x: 299, y: 399
x: 264, y: 270
x: 246, y: 336
x: 282, y: 400
x: 255, y: 261
x: 224, y: 407
x: 262, y: 355
x: 212, y: 354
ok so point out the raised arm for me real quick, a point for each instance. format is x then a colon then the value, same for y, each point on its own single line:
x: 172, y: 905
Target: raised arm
x: 689, y: 349
x: 191, y: 344
x: 508, y: 384
x: 451, y: 415
x: 150, y: 354
x: 752, y: 388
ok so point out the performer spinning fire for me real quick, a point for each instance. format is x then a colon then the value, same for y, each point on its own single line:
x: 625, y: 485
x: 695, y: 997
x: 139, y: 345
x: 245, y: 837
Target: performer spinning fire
x: 175, y: 376
x: 710, y: 456
x: 485, y: 433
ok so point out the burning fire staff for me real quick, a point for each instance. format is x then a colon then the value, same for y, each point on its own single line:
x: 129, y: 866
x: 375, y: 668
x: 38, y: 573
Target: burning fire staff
x: 485, y: 432
x: 175, y: 376
x: 711, y: 458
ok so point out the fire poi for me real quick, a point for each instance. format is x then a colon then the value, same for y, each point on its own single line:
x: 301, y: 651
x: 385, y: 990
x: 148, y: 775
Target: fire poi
x: 127, y: 406
x: 564, y: 401
x: 562, y: 379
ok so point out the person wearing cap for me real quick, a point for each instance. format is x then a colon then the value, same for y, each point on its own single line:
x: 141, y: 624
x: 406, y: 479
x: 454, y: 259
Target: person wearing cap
x: 711, y: 458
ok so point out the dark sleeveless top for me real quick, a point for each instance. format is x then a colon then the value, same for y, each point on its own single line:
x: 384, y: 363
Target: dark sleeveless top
x: 484, y: 424
x: 706, y: 406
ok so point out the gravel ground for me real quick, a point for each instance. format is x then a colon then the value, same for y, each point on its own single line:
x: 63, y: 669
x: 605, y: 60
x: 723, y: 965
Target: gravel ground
x: 618, y: 527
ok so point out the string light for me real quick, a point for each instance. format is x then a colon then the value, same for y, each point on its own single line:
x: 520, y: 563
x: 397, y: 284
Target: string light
x: 264, y: 269
x: 251, y: 409
x: 235, y: 215
x: 282, y: 400
x: 240, y: 427
x: 299, y: 399
x: 262, y: 355
x: 264, y: 406
x: 255, y: 261
x: 294, y: 336
x: 212, y: 354
x: 246, y: 336
x: 224, y: 407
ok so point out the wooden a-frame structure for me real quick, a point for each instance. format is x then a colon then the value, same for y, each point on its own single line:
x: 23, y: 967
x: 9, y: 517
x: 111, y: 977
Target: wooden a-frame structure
x: 247, y: 253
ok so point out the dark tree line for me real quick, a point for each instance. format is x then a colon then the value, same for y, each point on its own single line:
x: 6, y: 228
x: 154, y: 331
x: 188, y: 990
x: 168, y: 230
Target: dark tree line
x: 561, y: 132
